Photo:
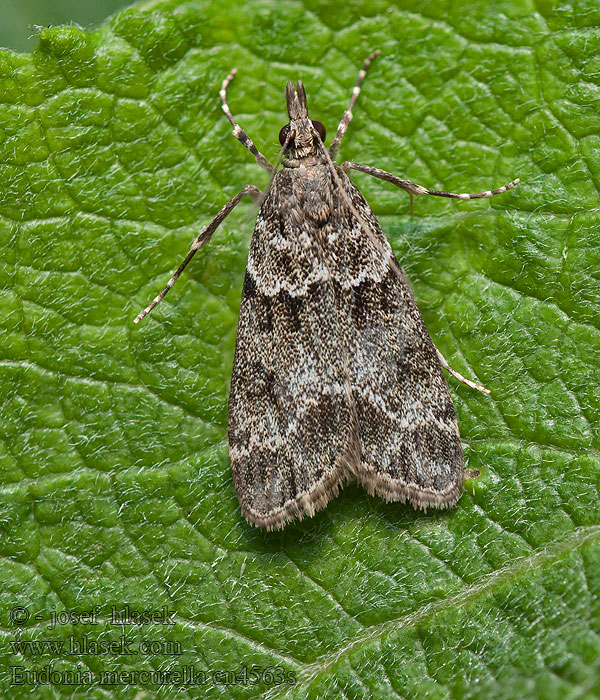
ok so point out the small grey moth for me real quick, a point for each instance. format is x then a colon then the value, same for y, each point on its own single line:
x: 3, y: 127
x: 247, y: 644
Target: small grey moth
x: 335, y: 377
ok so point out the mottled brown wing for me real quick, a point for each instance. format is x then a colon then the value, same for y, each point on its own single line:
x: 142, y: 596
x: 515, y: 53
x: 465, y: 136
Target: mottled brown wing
x: 410, y: 444
x: 335, y: 376
x: 292, y: 438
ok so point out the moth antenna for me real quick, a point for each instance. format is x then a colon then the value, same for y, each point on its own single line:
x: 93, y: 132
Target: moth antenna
x: 280, y: 157
x: 363, y: 224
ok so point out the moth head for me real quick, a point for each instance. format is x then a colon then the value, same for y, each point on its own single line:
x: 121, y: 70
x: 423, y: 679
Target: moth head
x: 299, y: 137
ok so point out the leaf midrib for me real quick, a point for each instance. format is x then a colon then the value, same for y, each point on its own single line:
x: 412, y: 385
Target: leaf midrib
x: 537, y: 560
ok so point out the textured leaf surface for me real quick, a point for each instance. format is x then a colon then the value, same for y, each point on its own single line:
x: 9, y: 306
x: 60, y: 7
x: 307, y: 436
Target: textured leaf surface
x: 115, y: 482
x: 19, y: 19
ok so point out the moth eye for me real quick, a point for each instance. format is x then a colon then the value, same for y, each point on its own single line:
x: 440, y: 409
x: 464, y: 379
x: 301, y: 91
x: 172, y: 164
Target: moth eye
x: 320, y: 129
x: 283, y: 134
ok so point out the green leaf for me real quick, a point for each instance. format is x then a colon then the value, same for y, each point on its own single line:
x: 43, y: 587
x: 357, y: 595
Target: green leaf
x: 115, y: 480
x: 19, y: 20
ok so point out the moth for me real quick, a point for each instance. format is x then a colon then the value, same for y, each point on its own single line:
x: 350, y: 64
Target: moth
x: 335, y: 377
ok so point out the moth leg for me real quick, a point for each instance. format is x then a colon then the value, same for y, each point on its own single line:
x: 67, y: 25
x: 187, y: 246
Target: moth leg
x: 458, y: 376
x: 203, y: 238
x: 347, y: 118
x: 237, y: 130
x: 413, y: 188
